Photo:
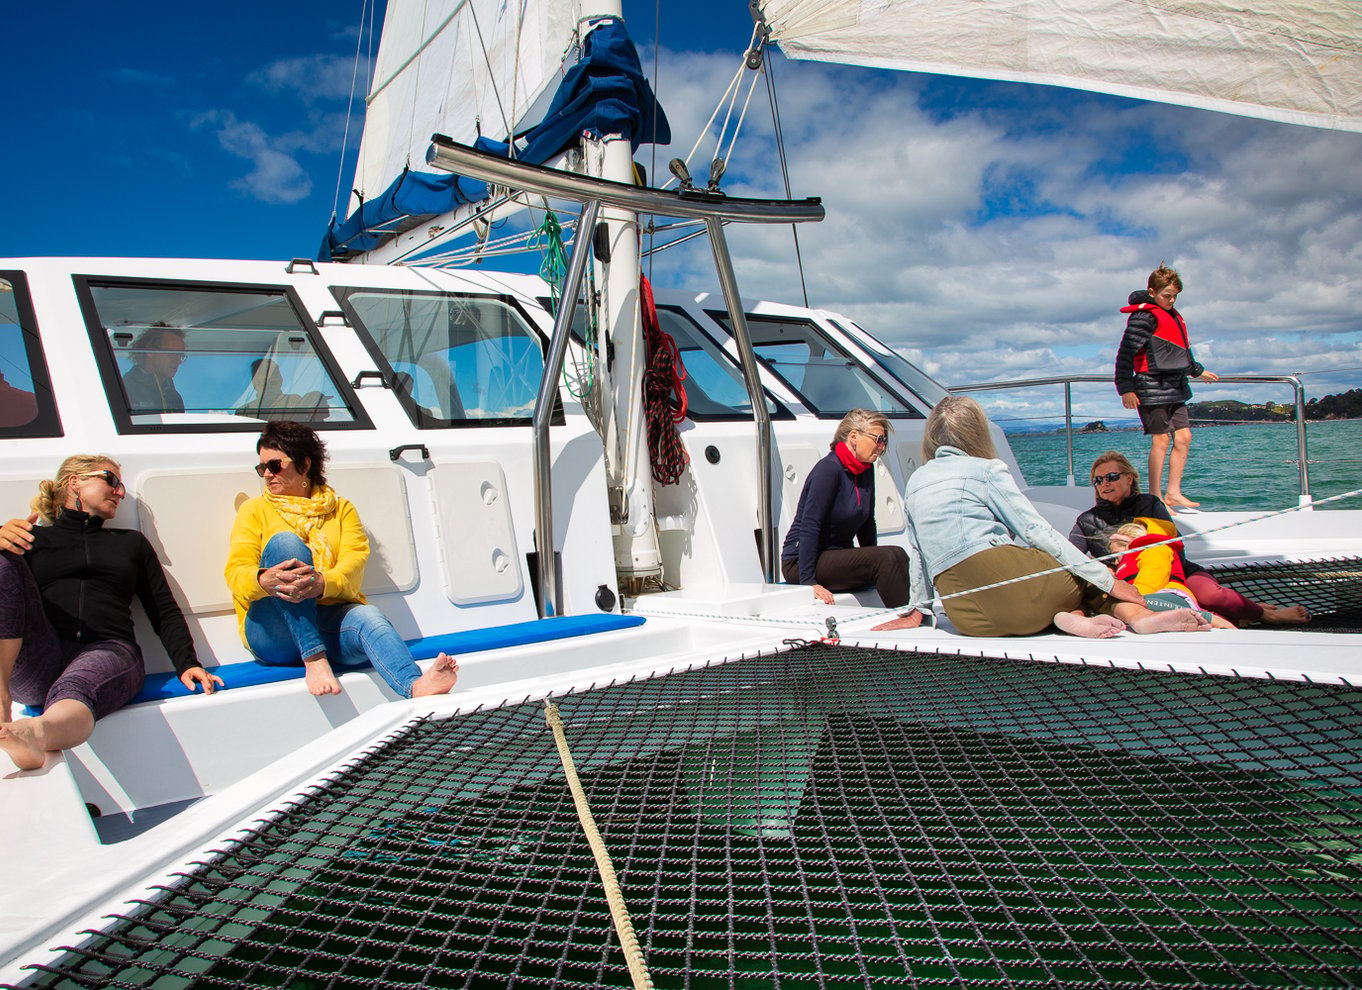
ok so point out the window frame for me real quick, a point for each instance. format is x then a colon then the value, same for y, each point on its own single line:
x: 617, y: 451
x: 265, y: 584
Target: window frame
x: 47, y: 424
x: 421, y: 419
x: 719, y: 316
x: 112, y: 380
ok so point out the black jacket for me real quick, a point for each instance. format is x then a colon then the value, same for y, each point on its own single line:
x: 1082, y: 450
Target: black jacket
x: 1151, y: 365
x: 87, y: 576
x: 1093, y: 528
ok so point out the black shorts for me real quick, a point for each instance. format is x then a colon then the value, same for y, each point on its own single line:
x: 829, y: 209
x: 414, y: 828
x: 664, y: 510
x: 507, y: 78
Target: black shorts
x: 1161, y: 420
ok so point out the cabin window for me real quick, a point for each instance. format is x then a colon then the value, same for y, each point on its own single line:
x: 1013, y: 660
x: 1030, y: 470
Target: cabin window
x: 714, y: 384
x: 451, y: 359
x: 824, y: 375
x: 26, y: 405
x: 211, y: 356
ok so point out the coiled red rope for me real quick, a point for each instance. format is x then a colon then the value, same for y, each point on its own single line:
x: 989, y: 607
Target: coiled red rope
x: 662, y: 378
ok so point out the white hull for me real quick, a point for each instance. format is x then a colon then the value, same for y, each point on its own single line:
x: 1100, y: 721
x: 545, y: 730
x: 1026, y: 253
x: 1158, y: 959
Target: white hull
x: 244, y: 751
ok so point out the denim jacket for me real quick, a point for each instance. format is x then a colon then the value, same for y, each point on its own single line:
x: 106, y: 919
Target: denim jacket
x: 959, y: 505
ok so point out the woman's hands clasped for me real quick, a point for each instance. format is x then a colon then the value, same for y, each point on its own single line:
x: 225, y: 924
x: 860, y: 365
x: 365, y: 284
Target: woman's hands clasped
x: 291, y: 581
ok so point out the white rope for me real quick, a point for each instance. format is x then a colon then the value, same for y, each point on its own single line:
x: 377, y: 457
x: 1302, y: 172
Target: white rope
x: 729, y: 94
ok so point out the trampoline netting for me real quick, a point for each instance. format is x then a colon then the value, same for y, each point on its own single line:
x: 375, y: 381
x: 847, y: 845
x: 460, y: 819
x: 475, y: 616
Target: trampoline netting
x: 819, y: 817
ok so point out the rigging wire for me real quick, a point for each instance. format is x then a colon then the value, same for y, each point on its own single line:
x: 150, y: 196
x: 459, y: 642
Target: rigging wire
x: 349, y: 110
x: 768, y: 68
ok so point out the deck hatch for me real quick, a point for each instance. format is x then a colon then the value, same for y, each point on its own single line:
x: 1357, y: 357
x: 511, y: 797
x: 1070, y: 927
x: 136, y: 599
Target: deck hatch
x: 824, y: 816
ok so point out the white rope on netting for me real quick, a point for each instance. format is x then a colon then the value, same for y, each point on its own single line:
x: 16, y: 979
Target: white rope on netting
x: 925, y: 606
x: 614, y: 896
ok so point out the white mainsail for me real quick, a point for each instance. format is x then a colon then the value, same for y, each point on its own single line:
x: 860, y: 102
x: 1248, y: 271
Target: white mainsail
x: 450, y: 66
x: 1297, y: 61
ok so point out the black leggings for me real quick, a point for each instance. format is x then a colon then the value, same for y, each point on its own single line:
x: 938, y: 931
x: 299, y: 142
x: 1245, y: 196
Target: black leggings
x: 858, y: 567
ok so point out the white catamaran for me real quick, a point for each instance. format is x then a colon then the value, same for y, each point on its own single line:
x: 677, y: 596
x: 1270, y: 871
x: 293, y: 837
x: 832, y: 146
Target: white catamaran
x: 660, y: 764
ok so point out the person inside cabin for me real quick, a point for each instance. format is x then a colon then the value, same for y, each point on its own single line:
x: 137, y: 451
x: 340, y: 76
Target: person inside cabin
x: 17, y: 406
x: 66, y: 627
x: 972, y: 528
x: 270, y: 399
x: 1150, y: 562
x: 1116, y: 484
x: 1153, y: 365
x: 295, y: 564
x: 157, y: 354
x: 837, y: 508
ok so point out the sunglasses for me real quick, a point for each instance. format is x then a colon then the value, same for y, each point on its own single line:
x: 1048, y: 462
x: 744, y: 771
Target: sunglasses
x: 112, y: 480
x: 274, y: 465
x: 881, y: 439
x: 1110, y: 476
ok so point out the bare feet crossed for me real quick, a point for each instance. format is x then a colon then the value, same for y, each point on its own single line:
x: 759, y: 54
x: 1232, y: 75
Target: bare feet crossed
x: 1089, y: 626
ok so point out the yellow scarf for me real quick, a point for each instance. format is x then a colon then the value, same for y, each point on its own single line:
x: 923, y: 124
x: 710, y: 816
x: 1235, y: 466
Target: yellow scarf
x: 305, y: 516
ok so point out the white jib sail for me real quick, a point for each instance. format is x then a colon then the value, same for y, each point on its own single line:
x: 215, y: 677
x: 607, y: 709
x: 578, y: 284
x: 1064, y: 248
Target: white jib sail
x: 1298, y: 61
x: 444, y: 66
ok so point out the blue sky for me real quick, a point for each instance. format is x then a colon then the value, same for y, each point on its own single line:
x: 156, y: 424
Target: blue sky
x: 988, y: 230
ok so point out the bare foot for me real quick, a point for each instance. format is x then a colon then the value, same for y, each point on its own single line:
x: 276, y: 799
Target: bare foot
x: 908, y: 620
x: 319, y: 676
x: 1089, y: 626
x: 439, y: 679
x: 1291, y: 615
x: 23, y: 744
x: 1181, y: 501
x: 1178, y: 620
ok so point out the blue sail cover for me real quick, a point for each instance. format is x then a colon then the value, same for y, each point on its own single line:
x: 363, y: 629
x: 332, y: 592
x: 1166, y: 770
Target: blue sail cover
x: 604, y: 93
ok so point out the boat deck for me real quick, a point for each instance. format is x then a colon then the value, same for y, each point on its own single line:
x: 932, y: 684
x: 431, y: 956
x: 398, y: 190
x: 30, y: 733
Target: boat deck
x: 823, y: 816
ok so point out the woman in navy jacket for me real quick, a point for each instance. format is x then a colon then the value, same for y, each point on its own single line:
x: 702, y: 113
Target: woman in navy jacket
x: 837, y: 507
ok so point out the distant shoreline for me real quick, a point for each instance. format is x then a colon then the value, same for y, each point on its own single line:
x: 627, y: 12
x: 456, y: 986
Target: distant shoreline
x: 1198, y: 423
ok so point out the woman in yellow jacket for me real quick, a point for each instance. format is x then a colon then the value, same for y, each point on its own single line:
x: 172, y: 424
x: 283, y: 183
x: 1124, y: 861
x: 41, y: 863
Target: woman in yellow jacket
x: 295, y: 566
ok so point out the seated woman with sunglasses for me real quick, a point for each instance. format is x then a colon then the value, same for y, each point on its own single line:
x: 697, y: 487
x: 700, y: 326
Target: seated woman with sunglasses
x: 1116, y: 484
x: 66, y: 630
x: 294, y: 567
x: 836, y: 507
x: 973, y: 528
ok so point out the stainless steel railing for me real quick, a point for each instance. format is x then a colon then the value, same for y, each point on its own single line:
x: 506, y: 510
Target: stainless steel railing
x: 1068, y: 381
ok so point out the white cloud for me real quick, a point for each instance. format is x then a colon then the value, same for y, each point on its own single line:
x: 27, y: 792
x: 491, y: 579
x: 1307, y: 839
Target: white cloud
x: 1001, y: 241
x: 275, y: 176
x: 314, y: 77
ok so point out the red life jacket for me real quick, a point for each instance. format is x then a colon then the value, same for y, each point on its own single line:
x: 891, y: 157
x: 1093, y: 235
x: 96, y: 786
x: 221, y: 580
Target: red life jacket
x: 1129, y: 565
x: 1170, y: 337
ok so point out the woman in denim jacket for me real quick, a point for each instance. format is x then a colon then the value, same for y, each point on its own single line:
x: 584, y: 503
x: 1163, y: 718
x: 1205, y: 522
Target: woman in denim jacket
x: 973, y: 527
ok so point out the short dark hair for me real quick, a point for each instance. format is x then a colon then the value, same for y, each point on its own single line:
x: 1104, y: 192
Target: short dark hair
x: 300, y: 442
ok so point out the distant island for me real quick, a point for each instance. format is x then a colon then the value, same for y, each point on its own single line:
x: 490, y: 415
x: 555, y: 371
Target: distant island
x: 1227, y: 412
x: 1345, y: 405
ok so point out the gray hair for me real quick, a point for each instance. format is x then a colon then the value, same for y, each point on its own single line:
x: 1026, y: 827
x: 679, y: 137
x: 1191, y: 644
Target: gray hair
x: 958, y: 421
x: 860, y: 420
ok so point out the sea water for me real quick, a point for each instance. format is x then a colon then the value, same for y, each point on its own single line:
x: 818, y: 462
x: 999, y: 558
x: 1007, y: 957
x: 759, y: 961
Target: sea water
x: 1246, y: 467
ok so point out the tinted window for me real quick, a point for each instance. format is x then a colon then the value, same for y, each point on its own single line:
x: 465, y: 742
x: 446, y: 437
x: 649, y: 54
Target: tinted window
x: 825, y: 376
x: 451, y: 359
x: 198, y: 355
x: 26, y: 406
x: 714, y: 383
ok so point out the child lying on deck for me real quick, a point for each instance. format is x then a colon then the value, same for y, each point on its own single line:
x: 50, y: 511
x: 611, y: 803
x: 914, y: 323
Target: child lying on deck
x: 1155, y: 570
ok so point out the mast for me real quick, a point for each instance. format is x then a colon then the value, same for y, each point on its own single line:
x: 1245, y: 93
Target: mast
x: 629, y: 475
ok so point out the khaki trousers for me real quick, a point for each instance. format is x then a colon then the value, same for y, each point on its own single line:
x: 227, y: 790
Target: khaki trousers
x: 1020, y: 609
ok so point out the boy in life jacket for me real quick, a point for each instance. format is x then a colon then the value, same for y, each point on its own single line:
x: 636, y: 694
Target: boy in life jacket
x: 1153, y: 364
x: 1156, y: 571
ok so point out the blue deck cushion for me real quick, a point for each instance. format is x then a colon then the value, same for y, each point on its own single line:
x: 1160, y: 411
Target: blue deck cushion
x: 236, y: 675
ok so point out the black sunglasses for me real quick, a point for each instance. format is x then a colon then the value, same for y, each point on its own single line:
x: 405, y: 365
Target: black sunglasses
x: 110, y: 479
x: 1112, y: 476
x: 274, y: 465
x: 881, y: 439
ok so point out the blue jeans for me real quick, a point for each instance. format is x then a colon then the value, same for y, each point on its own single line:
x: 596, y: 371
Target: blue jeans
x: 281, y: 633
